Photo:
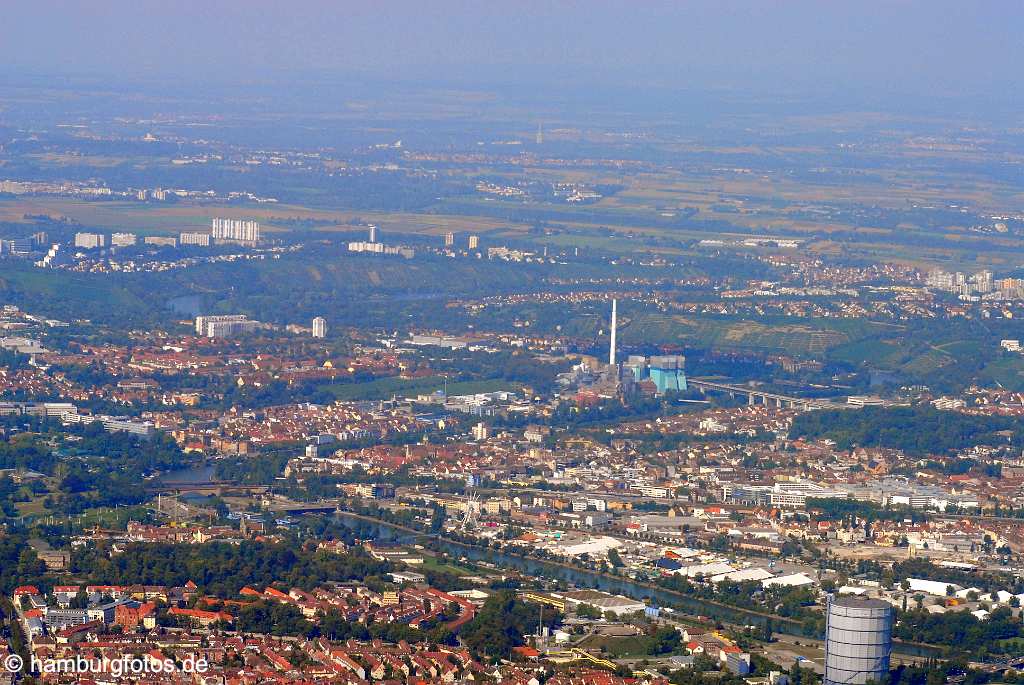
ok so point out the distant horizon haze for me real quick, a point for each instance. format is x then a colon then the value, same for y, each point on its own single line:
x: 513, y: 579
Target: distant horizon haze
x: 912, y: 48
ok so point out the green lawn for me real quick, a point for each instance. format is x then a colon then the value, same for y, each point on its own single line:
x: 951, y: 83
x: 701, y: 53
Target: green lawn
x: 436, y: 564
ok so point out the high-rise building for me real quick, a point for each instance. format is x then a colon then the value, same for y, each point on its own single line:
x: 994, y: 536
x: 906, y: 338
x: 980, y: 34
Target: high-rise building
x: 481, y: 431
x: 200, y: 239
x: 224, y: 325
x: 123, y: 239
x: 319, y: 327
x: 236, y: 230
x: 374, y: 234
x: 449, y: 239
x: 668, y: 372
x: 858, y: 640
x: 983, y: 281
x: 474, y: 242
x: 90, y: 241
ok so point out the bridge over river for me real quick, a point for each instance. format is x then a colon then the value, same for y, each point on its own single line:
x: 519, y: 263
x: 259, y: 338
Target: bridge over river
x: 754, y: 395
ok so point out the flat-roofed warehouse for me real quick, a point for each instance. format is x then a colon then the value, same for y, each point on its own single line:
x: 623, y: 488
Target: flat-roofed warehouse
x: 617, y: 604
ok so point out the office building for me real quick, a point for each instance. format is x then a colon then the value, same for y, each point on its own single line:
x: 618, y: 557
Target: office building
x: 858, y: 640
x: 123, y: 239
x: 199, y: 239
x: 319, y: 327
x: 474, y: 242
x: 90, y: 241
x: 121, y: 424
x: 236, y: 230
x: 224, y: 325
x: 668, y: 372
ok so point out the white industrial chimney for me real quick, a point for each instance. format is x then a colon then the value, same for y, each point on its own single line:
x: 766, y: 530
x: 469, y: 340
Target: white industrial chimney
x: 615, y: 324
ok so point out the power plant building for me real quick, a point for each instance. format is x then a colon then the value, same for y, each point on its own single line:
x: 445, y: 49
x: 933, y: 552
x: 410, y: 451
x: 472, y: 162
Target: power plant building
x: 858, y: 640
x: 667, y: 372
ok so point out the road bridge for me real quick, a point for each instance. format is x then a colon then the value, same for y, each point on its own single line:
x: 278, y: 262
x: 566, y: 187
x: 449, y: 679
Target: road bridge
x: 753, y: 395
x: 209, y: 487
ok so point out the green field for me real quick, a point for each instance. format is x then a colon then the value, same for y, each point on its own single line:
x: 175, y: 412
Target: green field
x: 436, y: 564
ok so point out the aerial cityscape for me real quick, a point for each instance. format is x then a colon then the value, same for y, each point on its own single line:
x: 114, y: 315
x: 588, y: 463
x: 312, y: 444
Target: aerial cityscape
x: 550, y: 344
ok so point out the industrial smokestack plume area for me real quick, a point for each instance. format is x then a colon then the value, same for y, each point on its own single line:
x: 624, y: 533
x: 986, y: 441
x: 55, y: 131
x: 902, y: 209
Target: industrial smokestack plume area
x: 858, y: 640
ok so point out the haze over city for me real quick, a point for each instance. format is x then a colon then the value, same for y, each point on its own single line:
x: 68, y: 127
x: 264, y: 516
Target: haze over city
x: 542, y: 343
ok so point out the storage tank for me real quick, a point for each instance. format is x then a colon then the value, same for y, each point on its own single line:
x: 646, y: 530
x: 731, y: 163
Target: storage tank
x: 858, y: 640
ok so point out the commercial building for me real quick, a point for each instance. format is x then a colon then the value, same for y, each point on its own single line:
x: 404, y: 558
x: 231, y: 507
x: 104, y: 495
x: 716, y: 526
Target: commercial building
x: 858, y: 640
x: 236, y: 230
x: 319, y: 327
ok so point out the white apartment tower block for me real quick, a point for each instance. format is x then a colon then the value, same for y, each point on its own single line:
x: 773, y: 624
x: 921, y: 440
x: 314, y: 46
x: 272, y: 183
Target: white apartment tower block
x: 236, y: 229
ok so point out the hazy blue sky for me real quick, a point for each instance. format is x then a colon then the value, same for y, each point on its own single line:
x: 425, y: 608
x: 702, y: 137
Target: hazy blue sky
x: 927, y: 46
